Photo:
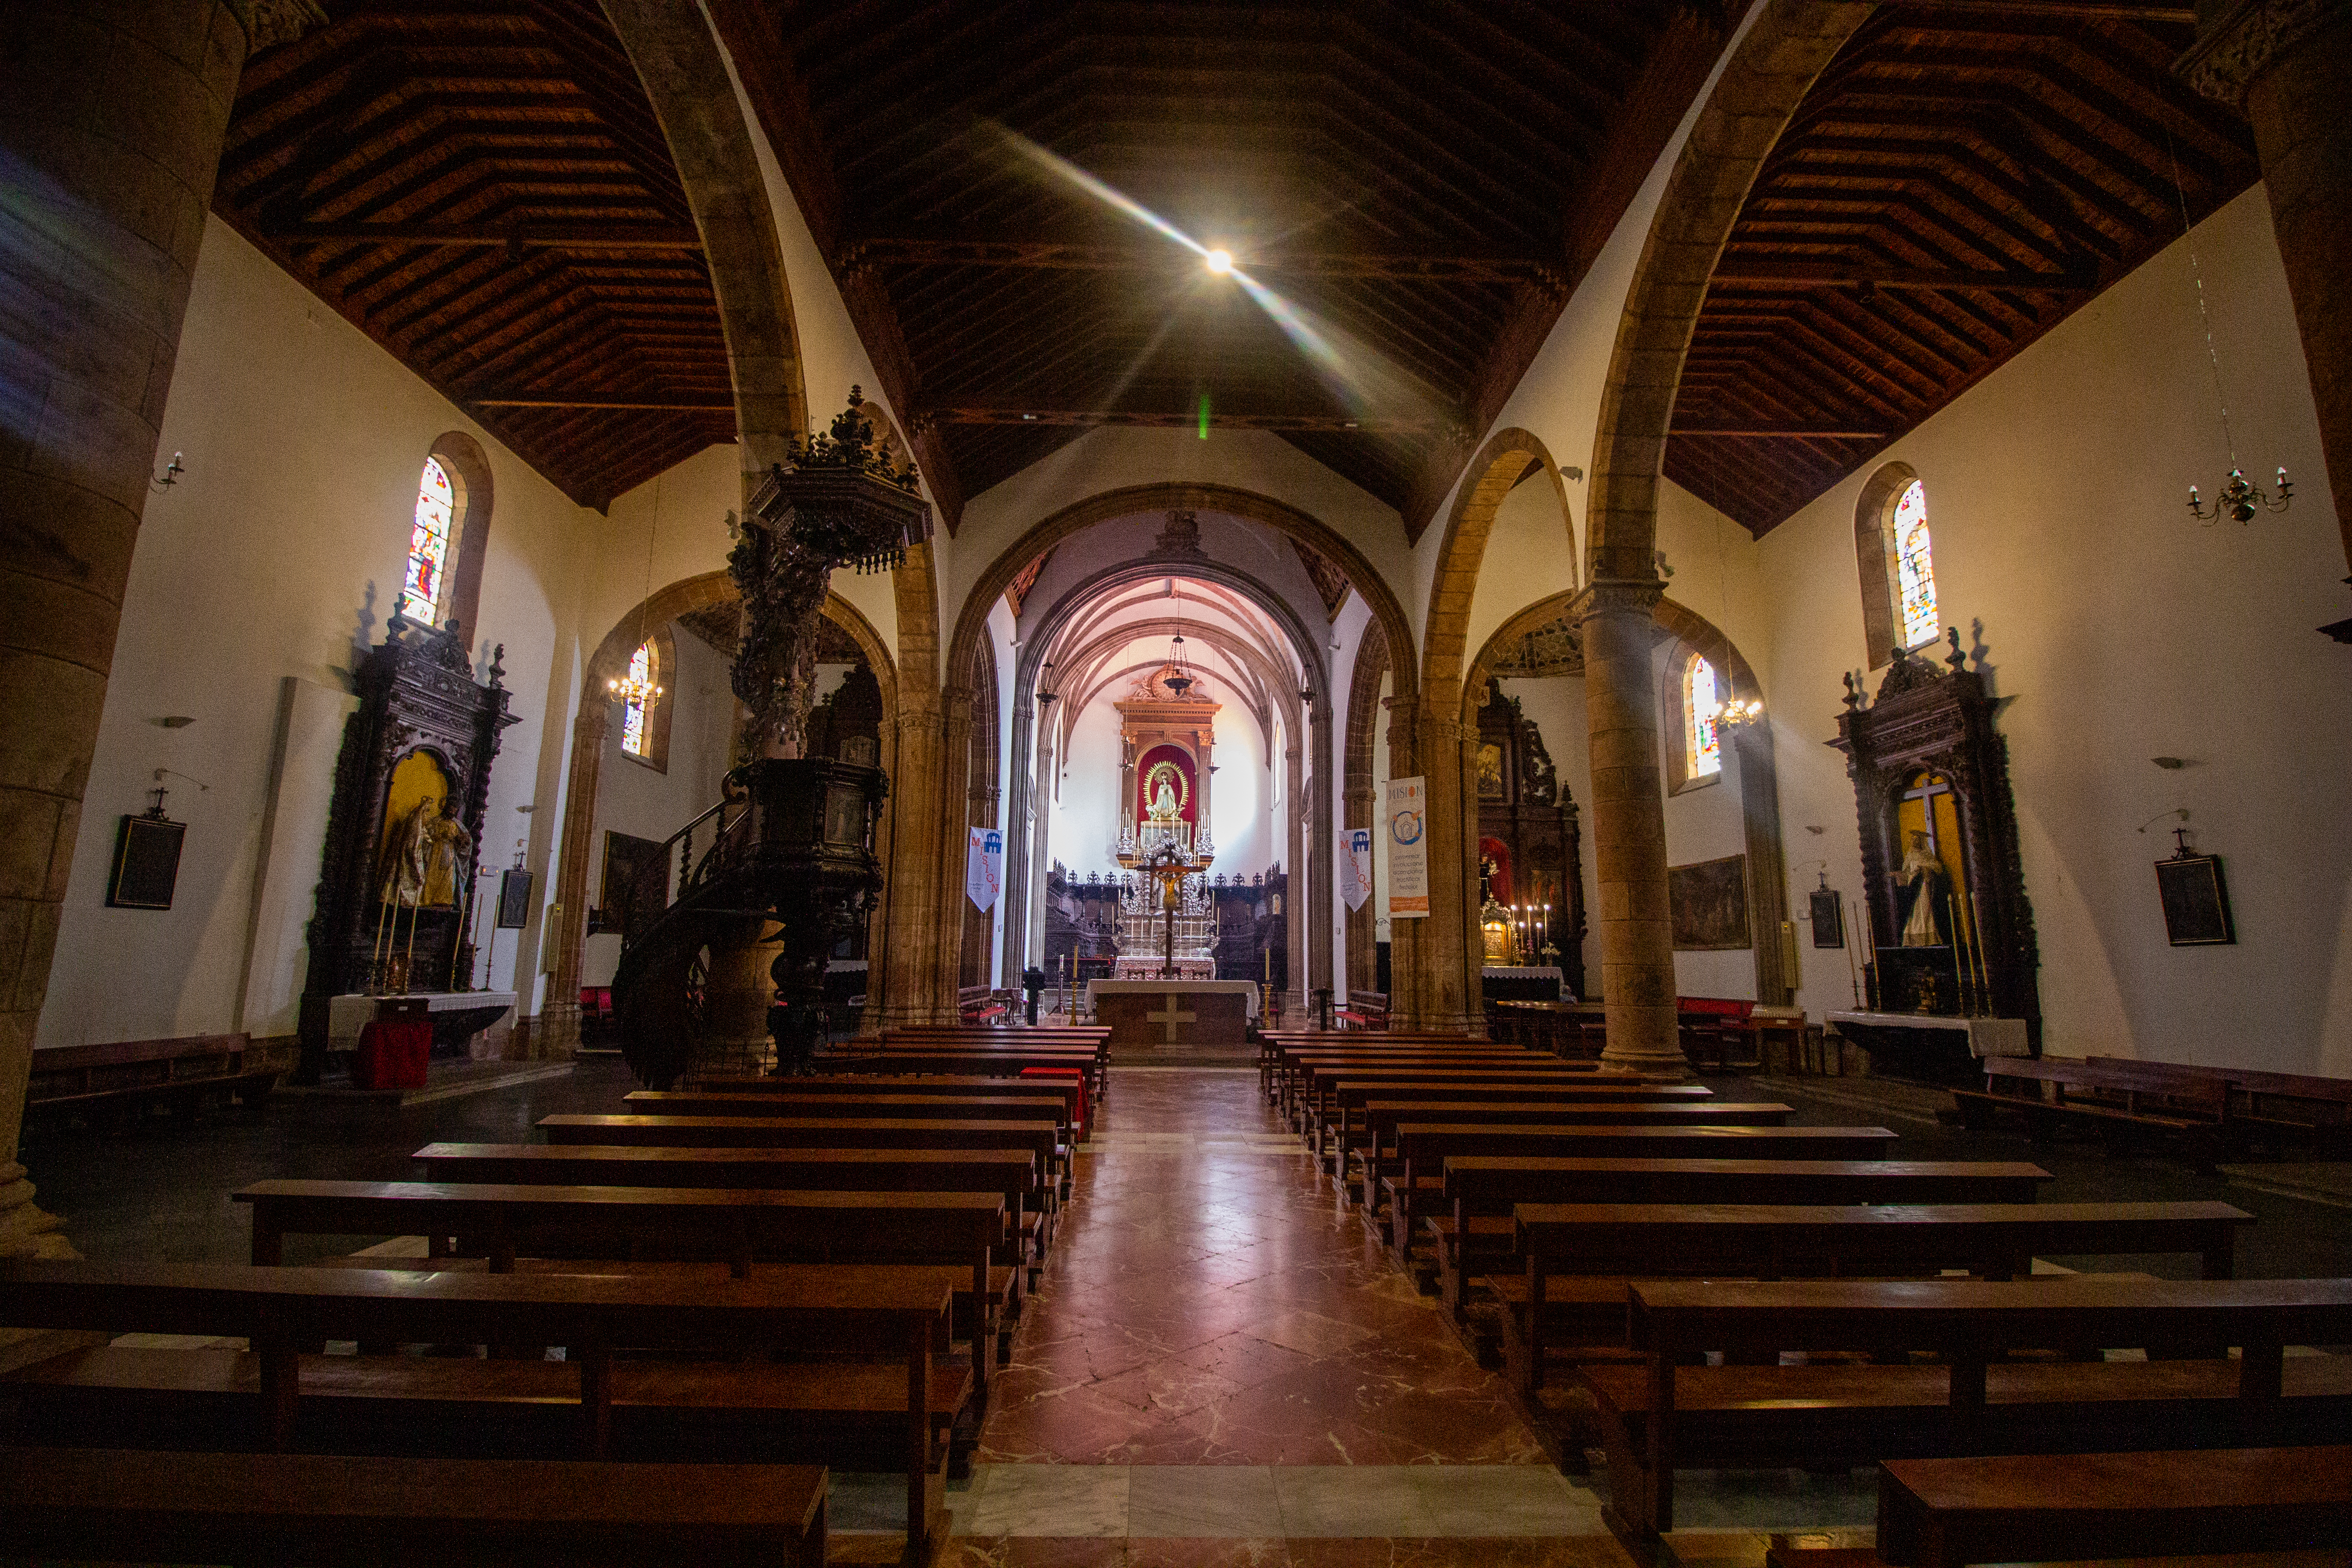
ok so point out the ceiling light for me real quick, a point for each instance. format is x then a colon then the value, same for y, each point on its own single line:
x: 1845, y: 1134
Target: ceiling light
x: 1218, y: 261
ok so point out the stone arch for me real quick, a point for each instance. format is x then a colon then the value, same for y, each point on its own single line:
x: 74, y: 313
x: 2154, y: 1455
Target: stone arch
x: 1873, y: 515
x: 677, y: 59
x: 462, y: 458
x: 1767, y: 77
x: 575, y: 843
x: 1134, y: 500
x: 1500, y: 466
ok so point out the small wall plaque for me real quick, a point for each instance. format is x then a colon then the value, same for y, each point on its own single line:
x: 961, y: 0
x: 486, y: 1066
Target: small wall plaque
x: 514, y: 899
x: 146, y: 863
x: 2196, y: 900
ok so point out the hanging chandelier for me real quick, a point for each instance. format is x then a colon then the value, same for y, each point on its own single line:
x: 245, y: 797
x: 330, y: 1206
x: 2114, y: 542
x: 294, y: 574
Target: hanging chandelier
x: 1177, y: 675
x: 634, y: 687
x: 2239, y: 497
x: 1733, y: 712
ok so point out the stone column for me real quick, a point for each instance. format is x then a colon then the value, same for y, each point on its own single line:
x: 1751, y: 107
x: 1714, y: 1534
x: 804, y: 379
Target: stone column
x: 916, y: 920
x: 112, y: 118
x: 1407, y: 938
x: 1629, y: 829
x: 2285, y: 64
x: 1363, y: 961
x: 556, y: 1032
x: 1321, y: 859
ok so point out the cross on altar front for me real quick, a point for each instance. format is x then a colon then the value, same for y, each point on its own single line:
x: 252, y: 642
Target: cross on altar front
x: 1171, y: 1015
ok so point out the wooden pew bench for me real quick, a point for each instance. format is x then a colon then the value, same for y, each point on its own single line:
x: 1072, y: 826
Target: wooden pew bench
x: 1477, y: 1234
x: 126, y: 1078
x: 1381, y: 1118
x: 1945, y: 1513
x: 1422, y: 1149
x: 860, y: 1414
x: 1071, y: 1092
x: 1579, y: 1256
x: 981, y: 1004
x: 1293, y: 1066
x: 2051, y: 1091
x: 1335, y: 1099
x: 1665, y: 1414
x: 1278, y: 1047
x: 134, y: 1506
x: 964, y: 1059
x: 1042, y: 1139
x: 2283, y: 1106
x: 1317, y: 1080
x: 1011, y: 1171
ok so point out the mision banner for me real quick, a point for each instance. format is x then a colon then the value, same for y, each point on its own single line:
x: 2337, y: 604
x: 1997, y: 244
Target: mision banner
x: 1408, y: 826
x: 983, y: 867
x: 1356, y: 879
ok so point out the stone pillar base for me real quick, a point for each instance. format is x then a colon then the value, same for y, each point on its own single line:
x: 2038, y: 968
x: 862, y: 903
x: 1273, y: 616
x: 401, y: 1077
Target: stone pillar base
x: 26, y: 1231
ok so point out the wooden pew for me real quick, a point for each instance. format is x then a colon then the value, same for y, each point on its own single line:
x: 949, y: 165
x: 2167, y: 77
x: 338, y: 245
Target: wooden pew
x: 1335, y: 1099
x: 1008, y: 1061
x: 1422, y: 1149
x: 861, y: 1107
x: 1043, y: 1139
x: 1945, y: 1513
x: 1478, y: 1235
x: 1070, y: 1091
x: 286, y: 1400
x: 128, y: 1078
x: 1666, y: 1413
x: 1569, y: 1245
x: 1318, y: 1078
x: 1012, y: 1172
x: 1287, y: 1067
x: 130, y: 1505
x: 1275, y: 1047
x: 1381, y: 1118
x: 2047, y: 1091
x: 2295, y: 1104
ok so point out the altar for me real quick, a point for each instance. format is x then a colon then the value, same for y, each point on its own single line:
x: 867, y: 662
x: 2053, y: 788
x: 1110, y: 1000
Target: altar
x: 1144, y: 1014
x: 457, y: 1015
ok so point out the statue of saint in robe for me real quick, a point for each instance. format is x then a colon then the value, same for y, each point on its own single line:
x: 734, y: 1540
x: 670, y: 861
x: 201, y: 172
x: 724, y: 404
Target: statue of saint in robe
x: 1163, y: 803
x: 1923, y: 896
x: 423, y: 857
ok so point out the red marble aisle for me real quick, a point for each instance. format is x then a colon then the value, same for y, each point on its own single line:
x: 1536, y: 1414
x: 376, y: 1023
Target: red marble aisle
x: 1210, y: 1302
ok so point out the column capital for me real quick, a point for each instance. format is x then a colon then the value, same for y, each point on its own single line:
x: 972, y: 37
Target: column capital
x: 1620, y: 595
x: 269, y: 22
x: 2248, y: 39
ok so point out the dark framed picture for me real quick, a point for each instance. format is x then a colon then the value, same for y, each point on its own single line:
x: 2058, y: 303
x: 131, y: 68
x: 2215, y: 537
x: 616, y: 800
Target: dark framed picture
x: 2196, y: 902
x: 146, y: 863
x: 1829, y: 918
x: 514, y: 899
x: 1708, y: 902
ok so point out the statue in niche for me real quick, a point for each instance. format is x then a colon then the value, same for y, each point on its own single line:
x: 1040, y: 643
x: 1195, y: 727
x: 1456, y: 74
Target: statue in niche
x: 1163, y: 803
x: 1923, y: 896
x: 423, y: 857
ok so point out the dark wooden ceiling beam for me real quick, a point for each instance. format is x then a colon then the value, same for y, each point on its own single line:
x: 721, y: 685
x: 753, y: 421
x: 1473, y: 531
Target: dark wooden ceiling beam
x: 2069, y: 10
x: 666, y: 402
x: 1770, y: 433
x: 1149, y: 419
x: 1798, y: 274
x: 1448, y: 266
x: 532, y: 236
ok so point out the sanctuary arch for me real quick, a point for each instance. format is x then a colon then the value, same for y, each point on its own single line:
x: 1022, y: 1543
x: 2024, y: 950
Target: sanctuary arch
x: 1388, y: 618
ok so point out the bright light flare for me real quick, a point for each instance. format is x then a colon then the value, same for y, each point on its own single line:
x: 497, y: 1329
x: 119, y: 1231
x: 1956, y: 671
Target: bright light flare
x: 1218, y: 261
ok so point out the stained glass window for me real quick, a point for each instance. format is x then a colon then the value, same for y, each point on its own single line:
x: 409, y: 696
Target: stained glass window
x: 633, y: 716
x: 1914, y: 566
x: 1700, y: 704
x: 428, y: 545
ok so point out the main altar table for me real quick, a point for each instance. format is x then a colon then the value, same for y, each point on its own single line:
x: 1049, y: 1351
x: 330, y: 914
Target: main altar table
x: 1173, y: 1014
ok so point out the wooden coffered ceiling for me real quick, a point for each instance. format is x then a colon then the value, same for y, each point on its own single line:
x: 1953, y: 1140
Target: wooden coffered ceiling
x: 1427, y: 179
x: 481, y: 186
x: 1963, y: 177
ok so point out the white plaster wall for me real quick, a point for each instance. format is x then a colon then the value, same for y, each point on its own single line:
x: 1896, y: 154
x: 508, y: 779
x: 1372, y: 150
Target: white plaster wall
x: 2114, y: 629
x: 279, y: 553
x: 1531, y: 553
x: 1703, y: 823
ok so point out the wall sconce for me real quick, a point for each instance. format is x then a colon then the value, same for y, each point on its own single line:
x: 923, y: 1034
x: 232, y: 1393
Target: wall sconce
x: 170, y: 474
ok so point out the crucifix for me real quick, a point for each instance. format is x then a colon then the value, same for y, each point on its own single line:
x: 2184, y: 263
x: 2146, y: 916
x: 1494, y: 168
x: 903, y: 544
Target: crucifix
x: 1170, y: 1014
x: 1926, y: 796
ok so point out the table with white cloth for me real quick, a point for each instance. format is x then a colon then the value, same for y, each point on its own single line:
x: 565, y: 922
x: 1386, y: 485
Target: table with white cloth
x: 1932, y: 1046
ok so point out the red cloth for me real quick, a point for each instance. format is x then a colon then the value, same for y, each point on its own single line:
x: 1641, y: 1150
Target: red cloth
x: 393, y: 1054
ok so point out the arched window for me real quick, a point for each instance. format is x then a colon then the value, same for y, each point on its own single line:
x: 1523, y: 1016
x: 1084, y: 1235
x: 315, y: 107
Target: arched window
x: 424, y: 587
x: 1896, y: 557
x: 633, y: 737
x: 1702, y: 746
x: 1914, y: 566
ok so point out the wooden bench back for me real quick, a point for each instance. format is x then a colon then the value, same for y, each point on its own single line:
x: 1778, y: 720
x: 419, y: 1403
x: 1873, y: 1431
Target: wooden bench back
x: 1008, y: 1171
x: 1382, y: 1117
x: 1637, y: 1240
x: 920, y: 1106
x: 1423, y: 1147
x: 1492, y: 1185
x: 1041, y: 1138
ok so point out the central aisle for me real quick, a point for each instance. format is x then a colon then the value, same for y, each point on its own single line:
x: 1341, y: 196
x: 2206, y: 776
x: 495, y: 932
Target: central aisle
x: 1223, y: 1367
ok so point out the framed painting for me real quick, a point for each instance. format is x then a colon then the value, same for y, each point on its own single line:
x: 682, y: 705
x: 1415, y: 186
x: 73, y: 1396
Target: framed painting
x: 1829, y: 918
x: 146, y: 863
x: 2196, y: 902
x: 1709, y: 905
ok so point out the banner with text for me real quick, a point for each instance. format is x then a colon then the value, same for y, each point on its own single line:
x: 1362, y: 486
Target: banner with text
x: 1407, y: 816
x: 983, y: 867
x: 1356, y: 871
